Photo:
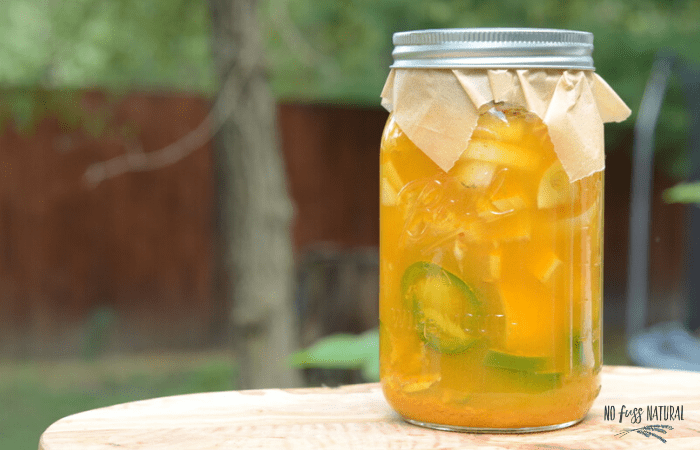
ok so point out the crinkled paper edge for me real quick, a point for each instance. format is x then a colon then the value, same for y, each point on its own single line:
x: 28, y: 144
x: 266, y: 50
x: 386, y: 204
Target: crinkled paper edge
x: 438, y: 109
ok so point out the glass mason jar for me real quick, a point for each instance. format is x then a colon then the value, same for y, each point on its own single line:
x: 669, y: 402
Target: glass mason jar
x: 491, y: 260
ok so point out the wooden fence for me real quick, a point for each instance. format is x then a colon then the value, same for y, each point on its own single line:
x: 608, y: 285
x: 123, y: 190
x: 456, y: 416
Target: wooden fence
x: 128, y: 265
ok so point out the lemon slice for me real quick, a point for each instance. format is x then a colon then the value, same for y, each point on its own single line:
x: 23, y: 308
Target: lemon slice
x: 510, y: 204
x: 391, y: 184
x: 474, y: 174
x: 505, y: 123
x: 389, y: 171
x: 495, y: 264
x: 389, y: 195
x: 544, y: 265
x: 503, y: 153
x: 554, y: 188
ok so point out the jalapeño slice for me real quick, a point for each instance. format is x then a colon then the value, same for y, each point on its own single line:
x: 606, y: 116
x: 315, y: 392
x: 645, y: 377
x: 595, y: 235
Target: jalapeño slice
x: 446, y: 309
x: 503, y: 360
x: 515, y: 373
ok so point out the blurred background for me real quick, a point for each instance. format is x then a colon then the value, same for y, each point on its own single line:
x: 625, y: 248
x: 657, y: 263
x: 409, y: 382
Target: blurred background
x: 142, y: 217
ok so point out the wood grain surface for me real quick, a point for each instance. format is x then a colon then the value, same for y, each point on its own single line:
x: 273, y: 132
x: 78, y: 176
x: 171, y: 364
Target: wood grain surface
x: 357, y: 417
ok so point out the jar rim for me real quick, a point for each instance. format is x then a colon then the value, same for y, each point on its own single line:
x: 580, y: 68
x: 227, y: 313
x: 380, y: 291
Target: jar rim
x: 493, y: 48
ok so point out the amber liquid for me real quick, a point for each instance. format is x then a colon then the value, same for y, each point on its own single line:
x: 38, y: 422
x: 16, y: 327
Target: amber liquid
x: 506, y: 221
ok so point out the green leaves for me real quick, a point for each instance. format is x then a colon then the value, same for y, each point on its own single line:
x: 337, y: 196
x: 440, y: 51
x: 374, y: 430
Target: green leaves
x: 25, y: 51
x: 343, y: 351
x: 84, y: 43
x: 683, y: 193
x: 350, y: 41
x: 53, y: 48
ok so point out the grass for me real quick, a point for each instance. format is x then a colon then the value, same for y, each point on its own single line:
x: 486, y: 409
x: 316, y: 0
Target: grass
x: 33, y: 395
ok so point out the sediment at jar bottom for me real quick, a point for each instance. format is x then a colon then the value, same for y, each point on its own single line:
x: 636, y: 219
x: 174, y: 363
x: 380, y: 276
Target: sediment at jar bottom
x: 495, y: 410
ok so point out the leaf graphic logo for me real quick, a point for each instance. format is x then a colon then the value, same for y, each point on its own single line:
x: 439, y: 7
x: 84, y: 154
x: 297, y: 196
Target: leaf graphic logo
x: 649, y: 430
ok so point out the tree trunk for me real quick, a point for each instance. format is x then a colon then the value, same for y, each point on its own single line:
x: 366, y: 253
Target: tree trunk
x: 255, y: 211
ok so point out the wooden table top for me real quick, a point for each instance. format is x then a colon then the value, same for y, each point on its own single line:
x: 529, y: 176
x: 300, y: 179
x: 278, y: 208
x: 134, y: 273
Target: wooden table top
x: 357, y: 417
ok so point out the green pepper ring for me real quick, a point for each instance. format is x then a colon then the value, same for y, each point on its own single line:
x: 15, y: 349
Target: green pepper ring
x: 436, y: 328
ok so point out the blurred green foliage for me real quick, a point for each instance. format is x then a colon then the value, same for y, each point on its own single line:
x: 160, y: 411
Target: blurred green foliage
x: 343, y: 351
x: 51, y: 50
x: 337, y: 52
x: 83, y: 43
x: 683, y: 193
x: 341, y: 51
x: 34, y: 395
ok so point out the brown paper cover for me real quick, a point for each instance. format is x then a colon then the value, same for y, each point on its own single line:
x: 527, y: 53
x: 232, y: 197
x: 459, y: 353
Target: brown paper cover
x: 438, y: 109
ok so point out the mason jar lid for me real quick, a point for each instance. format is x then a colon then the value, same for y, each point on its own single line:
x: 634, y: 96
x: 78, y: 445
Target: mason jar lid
x: 493, y: 48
